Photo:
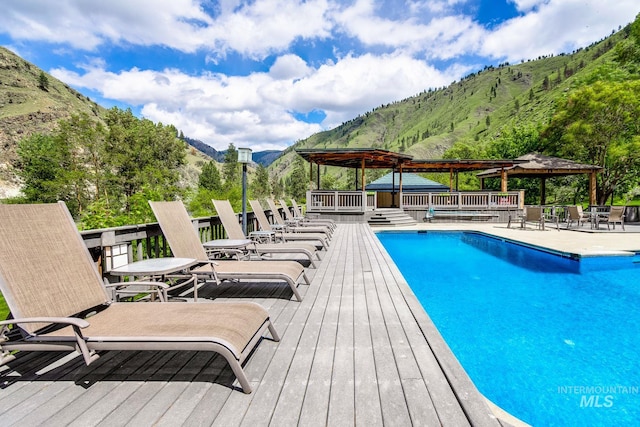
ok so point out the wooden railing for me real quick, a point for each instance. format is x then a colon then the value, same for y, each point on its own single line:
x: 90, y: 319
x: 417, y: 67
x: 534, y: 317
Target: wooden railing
x: 352, y: 201
x: 111, y: 247
x: 464, y: 200
x: 339, y: 201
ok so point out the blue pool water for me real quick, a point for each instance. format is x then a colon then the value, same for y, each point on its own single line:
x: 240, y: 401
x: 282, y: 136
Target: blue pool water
x: 550, y: 339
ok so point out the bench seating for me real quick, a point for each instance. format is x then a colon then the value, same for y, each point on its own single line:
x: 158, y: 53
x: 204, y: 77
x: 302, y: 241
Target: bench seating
x: 471, y: 215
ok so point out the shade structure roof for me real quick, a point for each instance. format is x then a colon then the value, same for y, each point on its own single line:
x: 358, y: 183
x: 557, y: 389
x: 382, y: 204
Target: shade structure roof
x: 354, y: 157
x: 539, y: 165
x: 383, y: 159
x: 455, y: 165
x: 410, y: 182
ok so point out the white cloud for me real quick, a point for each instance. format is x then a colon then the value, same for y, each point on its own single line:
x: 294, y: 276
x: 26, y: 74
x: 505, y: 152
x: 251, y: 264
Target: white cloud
x: 255, y: 29
x: 86, y: 25
x: 289, y: 67
x: 441, y: 37
x: 264, y: 27
x: 557, y: 26
x: 256, y: 110
x: 527, y: 5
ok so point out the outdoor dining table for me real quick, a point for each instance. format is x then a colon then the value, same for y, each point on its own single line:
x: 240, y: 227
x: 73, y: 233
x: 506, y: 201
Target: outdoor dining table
x: 596, y: 217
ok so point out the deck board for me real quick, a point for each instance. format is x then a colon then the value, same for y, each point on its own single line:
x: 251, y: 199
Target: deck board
x: 358, y: 350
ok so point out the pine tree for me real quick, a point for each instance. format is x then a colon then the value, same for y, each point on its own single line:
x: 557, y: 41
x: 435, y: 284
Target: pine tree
x: 43, y: 81
x: 259, y: 187
x: 210, y: 177
x: 231, y: 169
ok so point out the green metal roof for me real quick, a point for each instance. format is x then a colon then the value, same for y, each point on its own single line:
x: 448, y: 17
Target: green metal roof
x: 410, y: 182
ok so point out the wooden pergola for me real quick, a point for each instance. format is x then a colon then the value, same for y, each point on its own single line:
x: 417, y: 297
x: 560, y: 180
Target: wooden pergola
x: 535, y: 165
x: 371, y: 158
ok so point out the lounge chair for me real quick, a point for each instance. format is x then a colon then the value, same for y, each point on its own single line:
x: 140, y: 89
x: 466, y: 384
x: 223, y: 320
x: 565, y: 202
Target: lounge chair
x: 293, y: 221
x: 185, y: 243
x: 58, y: 303
x: 292, y: 227
x: 575, y: 213
x: 298, y: 213
x: 319, y: 239
x: 616, y: 216
x: 234, y: 231
x: 302, y: 221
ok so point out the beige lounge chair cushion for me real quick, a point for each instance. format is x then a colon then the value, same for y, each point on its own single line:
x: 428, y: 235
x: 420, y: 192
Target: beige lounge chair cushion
x: 233, y: 323
x: 292, y: 269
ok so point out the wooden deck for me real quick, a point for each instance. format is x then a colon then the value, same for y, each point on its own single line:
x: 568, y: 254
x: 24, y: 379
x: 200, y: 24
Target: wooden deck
x: 358, y: 350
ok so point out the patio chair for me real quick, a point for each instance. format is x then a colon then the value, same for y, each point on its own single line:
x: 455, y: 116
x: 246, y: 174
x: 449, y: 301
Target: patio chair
x: 185, y: 243
x: 535, y: 214
x: 318, y: 238
x: 234, y: 231
x: 616, y: 216
x: 58, y: 303
x: 299, y: 222
x: 292, y: 227
x: 575, y: 213
x: 298, y: 213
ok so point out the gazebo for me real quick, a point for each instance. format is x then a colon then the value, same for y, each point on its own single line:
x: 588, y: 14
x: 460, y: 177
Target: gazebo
x: 536, y: 165
x: 373, y: 158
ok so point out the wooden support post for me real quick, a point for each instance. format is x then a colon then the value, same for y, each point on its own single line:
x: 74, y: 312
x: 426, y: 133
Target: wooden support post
x: 503, y: 180
x: 400, y: 188
x: 451, y: 179
x: 592, y: 188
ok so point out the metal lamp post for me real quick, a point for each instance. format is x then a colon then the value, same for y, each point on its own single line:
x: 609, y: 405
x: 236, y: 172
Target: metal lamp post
x: 244, y: 157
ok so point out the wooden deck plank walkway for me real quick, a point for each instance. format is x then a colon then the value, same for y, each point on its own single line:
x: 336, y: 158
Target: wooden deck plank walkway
x: 358, y: 350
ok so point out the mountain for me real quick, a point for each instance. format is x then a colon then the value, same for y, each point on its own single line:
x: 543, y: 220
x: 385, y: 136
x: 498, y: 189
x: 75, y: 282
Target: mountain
x: 264, y: 158
x: 471, y: 111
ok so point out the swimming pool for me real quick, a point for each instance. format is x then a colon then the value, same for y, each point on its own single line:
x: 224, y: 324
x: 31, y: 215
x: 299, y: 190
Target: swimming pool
x: 551, y: 339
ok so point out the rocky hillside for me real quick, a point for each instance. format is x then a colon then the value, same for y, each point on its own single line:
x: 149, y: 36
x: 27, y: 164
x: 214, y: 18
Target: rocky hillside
x: 31, y: 101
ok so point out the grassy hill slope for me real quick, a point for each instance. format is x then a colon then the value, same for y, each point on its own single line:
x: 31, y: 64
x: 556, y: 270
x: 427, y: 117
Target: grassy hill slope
x: 473, y: 110
x: 27, y: 108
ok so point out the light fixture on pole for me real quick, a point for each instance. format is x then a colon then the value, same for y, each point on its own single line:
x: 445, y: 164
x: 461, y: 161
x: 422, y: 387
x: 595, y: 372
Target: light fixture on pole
x: 244, y: 157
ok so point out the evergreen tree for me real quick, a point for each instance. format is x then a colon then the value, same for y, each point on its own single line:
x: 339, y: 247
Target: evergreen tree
x: 297, y: 187
x: 210, y: 177
x: 231, y: 168
x: 259, y: 187
x: 43, y: 81
x: 277, y: 187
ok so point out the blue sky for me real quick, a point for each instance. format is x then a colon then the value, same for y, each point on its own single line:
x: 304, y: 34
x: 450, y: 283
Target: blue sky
x: 266, y: 73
